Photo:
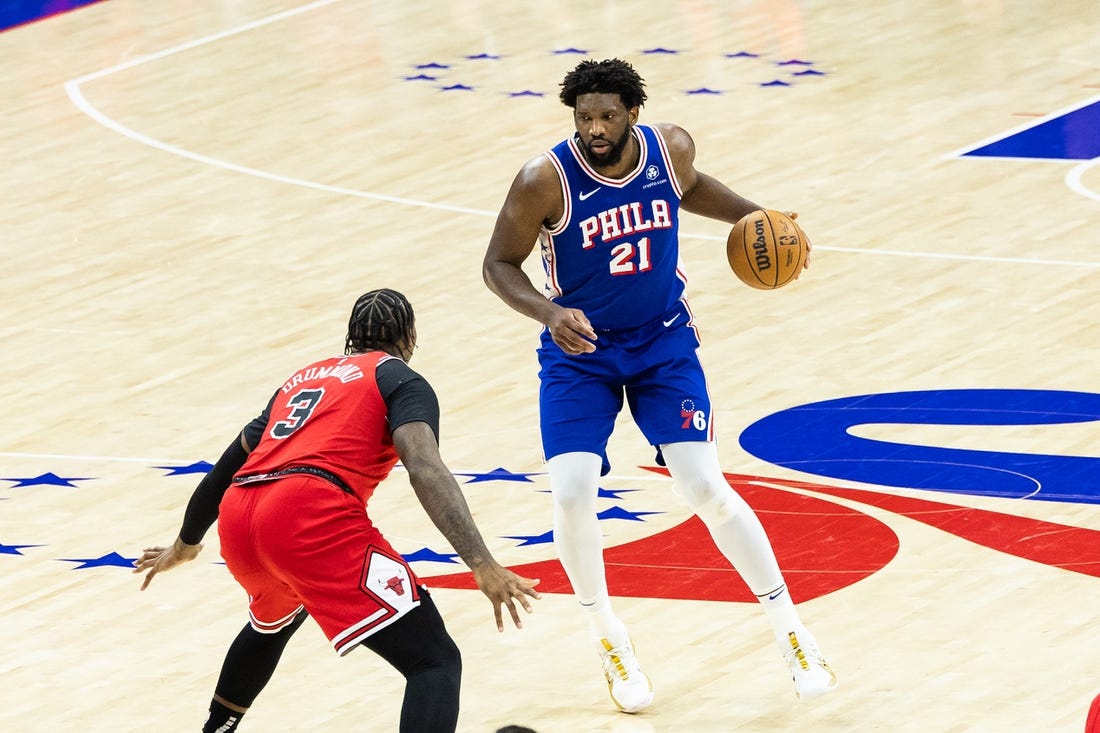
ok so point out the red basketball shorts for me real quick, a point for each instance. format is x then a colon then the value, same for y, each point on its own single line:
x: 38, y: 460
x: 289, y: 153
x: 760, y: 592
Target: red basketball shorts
x: 301, y: 542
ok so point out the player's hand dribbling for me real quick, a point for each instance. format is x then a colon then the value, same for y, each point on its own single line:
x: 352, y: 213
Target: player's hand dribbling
x: 503, y: 587
x: 809, y: 244
x: 158, y: 559
x: 571, y: 331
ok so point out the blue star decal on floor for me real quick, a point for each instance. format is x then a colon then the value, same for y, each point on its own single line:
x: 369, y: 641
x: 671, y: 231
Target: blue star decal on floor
x: 498, y: 474
x: 425, y: 554
x: 602, y: 493
x: 795, y: 68
x: 45, y: 479
x: 617, y: 512
x: 531, y: 539
x: 196, y: 467
x: 111, y: 559
x: 15, y: 549
x: 613, y: 493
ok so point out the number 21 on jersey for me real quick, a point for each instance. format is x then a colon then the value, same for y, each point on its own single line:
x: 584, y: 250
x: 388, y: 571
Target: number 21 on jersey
x: 628, y: 258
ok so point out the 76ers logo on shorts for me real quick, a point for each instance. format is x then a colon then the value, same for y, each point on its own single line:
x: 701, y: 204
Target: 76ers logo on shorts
x: 691, y: 417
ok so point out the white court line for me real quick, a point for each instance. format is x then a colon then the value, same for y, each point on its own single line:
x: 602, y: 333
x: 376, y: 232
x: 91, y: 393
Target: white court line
x: 1073, y: 179
x: 927, y: 255
x: 114, y: 459
x: 268, y: 20
x: 975, y: 258
x: 72, y: 88
x: 647, y: 476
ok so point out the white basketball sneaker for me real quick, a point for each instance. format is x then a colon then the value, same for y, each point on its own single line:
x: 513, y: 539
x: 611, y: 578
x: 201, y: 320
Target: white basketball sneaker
x: 629, y: 686
x: 812, y: 676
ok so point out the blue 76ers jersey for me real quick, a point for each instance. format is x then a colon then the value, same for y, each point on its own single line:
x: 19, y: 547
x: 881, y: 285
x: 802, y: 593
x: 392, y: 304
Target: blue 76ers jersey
x: 615, y: 252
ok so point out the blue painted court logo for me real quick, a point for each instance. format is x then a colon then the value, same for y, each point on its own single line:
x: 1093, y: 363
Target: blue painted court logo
x: 819, y: 439
x: 1070, y: 135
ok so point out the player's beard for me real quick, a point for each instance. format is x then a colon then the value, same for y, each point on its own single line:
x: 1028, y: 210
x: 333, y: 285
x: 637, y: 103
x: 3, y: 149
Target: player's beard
x: 612, y: 156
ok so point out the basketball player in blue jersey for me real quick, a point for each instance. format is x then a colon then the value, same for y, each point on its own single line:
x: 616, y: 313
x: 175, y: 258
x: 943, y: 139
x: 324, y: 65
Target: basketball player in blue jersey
x: 604, y: 206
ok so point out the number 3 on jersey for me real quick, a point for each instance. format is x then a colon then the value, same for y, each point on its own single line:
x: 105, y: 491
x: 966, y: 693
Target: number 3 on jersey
x: 627, y: 259
x: 303, y: 404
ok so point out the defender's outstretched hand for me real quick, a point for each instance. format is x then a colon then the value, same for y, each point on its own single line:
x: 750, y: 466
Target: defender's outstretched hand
x: 503, y: 587
x: 158, y: 559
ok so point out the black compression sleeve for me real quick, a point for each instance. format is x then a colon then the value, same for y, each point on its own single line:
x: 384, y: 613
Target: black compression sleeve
x: 254, y: 430
x: 408, y: 396
x: 202, y: 509
x: 251, y: 661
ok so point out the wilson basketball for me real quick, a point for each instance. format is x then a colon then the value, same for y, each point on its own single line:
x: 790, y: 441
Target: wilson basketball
x: 766, y: 249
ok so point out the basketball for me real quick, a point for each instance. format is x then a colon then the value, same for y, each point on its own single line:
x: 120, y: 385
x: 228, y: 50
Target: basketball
x: 766, y: 249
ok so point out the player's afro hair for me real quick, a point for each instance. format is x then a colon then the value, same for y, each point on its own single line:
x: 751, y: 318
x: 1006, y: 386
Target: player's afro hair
x: 610, y: 76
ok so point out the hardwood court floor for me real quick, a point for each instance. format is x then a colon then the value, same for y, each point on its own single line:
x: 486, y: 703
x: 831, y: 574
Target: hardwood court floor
x: 196, y: 193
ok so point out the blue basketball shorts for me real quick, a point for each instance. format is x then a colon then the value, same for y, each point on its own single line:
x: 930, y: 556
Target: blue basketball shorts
x: 654, y: 367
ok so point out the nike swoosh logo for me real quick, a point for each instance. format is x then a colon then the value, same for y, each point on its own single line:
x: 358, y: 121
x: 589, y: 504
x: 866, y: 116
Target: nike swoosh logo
x: 586, y: 194
x: 672, y: 320
x: 778, y: 593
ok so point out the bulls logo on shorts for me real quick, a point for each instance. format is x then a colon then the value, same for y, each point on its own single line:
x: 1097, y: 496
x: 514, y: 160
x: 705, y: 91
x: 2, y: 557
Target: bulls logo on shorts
x: 390, y: 592
x: 390, y: 581
x: 395, y: 584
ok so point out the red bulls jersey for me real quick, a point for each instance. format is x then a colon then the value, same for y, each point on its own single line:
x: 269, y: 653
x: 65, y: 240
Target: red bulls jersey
x: 328, y: 416
x: 615, y: 254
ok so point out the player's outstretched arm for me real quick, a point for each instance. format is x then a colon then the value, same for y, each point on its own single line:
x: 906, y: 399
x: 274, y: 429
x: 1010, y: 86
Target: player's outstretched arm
x: 201, y: 512
x: 441, y: 498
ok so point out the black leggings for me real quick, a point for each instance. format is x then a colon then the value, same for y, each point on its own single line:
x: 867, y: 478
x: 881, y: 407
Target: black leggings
x: 417, y: 645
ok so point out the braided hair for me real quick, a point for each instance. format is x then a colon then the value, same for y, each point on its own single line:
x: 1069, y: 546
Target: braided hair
x: 610, y: 76
x: 381, y: 320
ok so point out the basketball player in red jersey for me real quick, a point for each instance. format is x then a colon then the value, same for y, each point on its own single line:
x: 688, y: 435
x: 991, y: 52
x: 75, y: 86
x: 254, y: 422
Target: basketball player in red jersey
x: 290, y: 496
x: 604, y: 205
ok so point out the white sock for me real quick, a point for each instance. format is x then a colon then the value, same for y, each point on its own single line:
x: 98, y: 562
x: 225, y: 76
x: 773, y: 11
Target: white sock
x: 603, y: 623
x: 574, y: 483
x: 782, y: 614
x: 735, y: 528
